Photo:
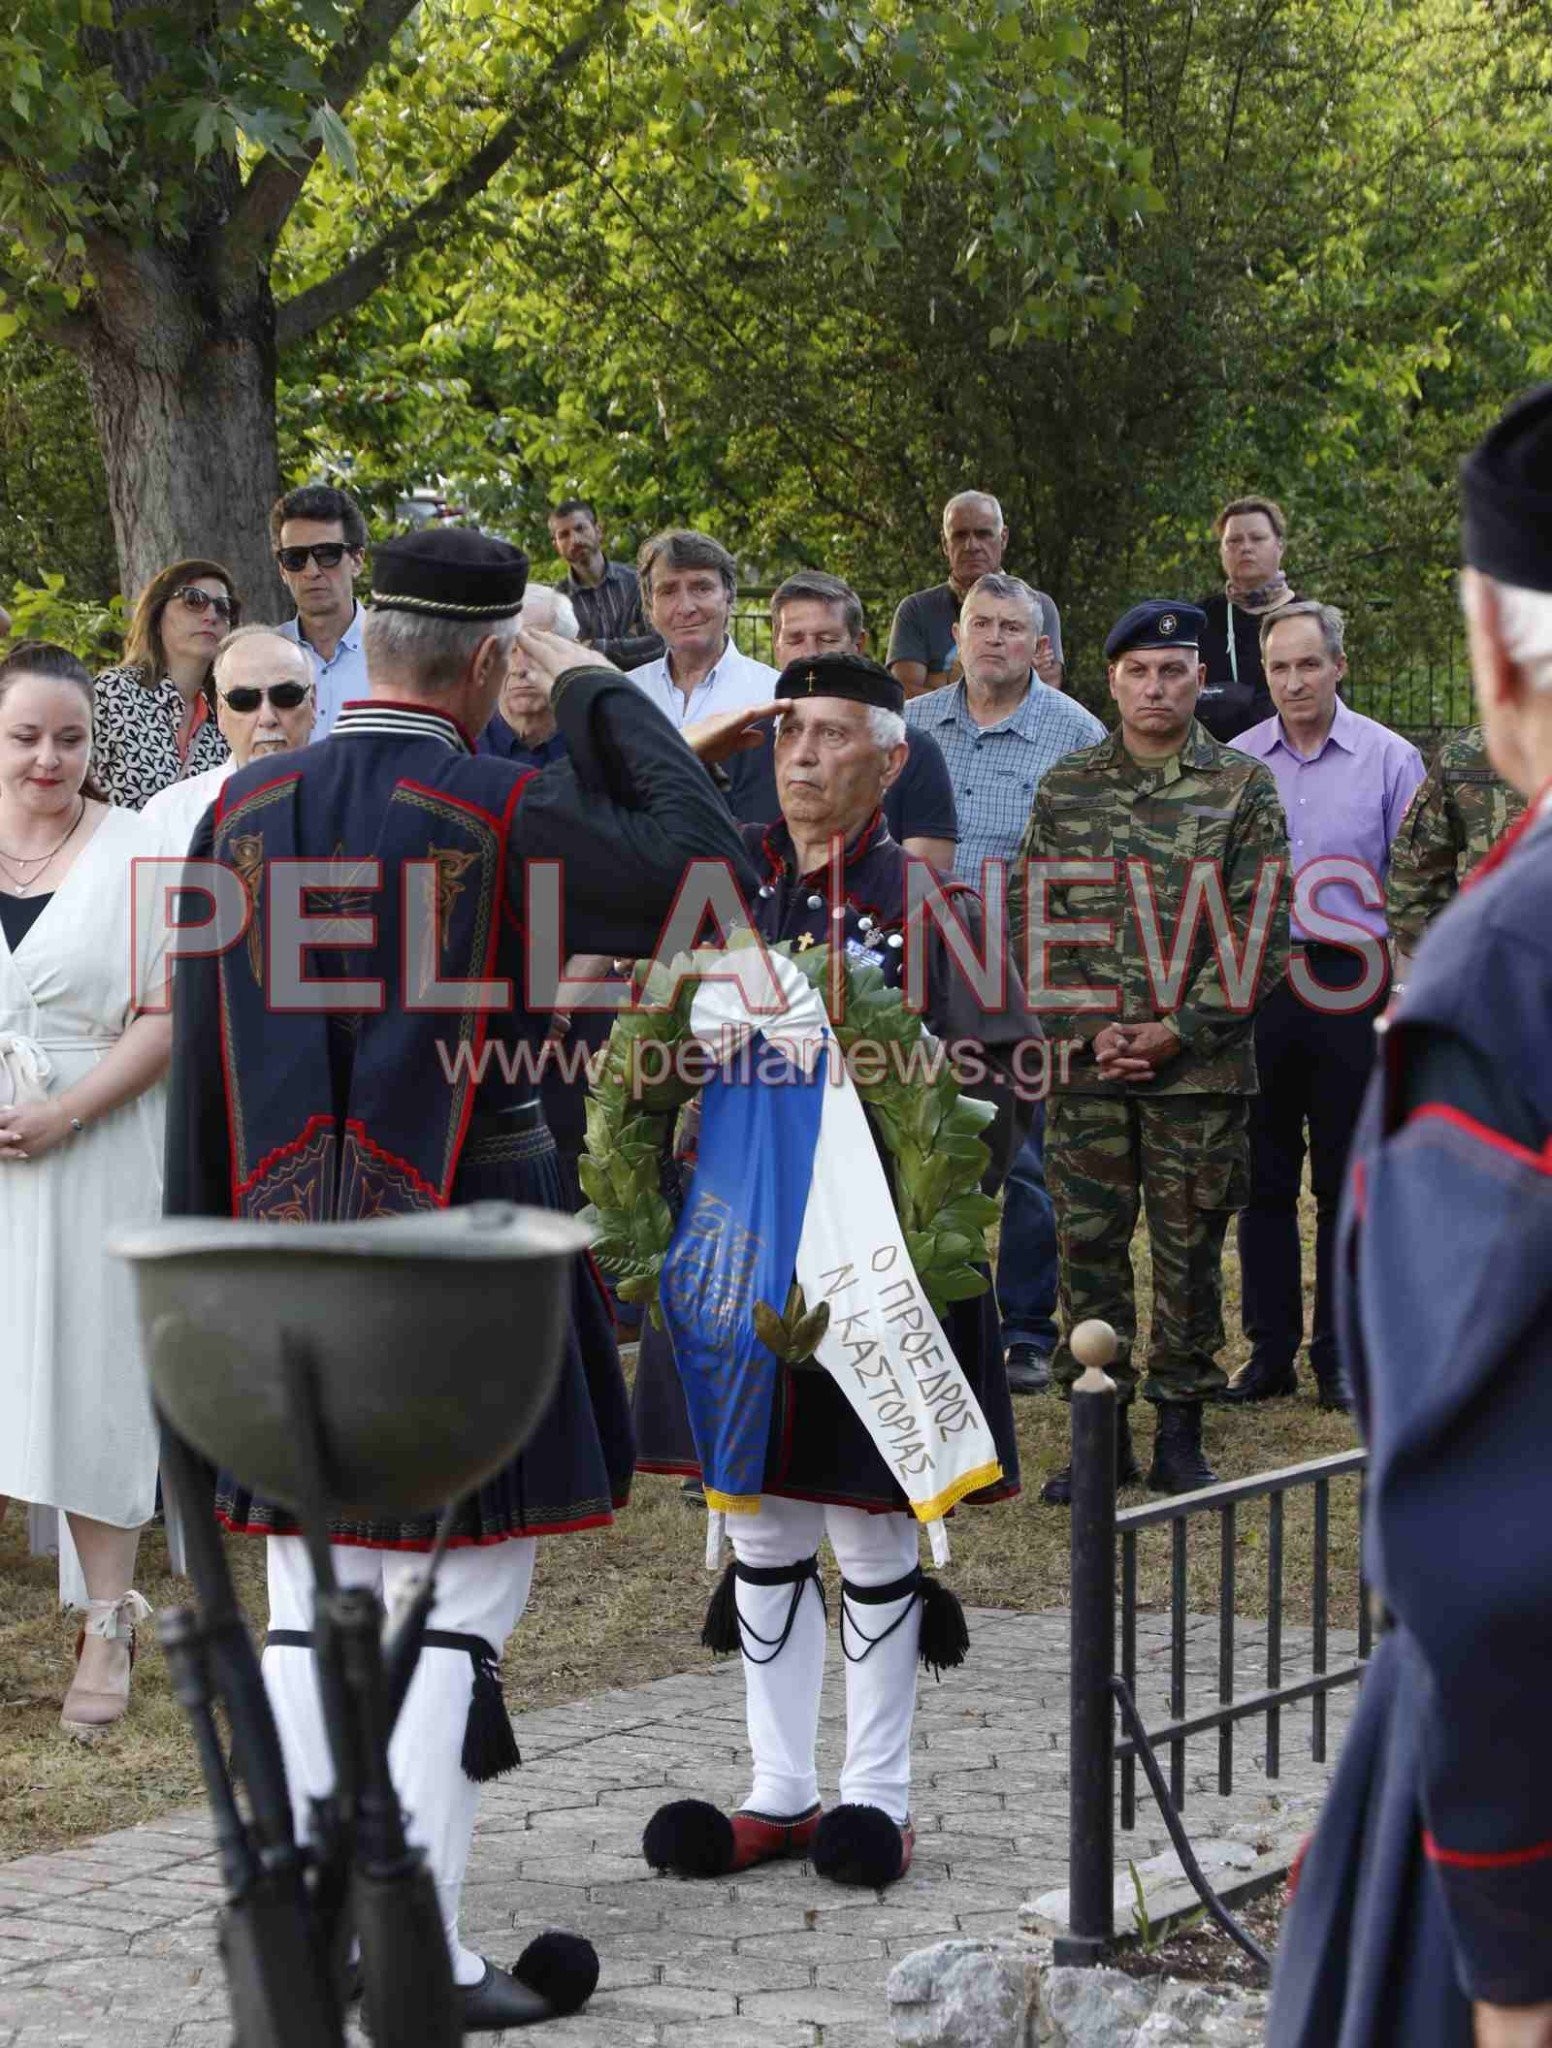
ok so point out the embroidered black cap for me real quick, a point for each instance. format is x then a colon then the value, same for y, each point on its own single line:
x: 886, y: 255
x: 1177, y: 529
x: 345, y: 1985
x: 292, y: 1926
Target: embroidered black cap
x: 448, y: 572
x: 841, y: 675
x: 1160, y: 622
x: 1506, y: 488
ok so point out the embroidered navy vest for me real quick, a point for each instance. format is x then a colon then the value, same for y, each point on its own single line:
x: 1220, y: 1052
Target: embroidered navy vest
x: 355, y: 1112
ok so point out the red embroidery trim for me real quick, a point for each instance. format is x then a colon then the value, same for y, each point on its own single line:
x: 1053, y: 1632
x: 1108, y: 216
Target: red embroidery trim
x: 599, y: 1521
x: 1484, y: 1859
x: 1446, y: 1113
x: 224, y: 811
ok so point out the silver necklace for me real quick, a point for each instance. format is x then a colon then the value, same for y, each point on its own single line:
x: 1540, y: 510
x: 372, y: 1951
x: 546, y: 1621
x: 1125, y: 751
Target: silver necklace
x: 37, y: 861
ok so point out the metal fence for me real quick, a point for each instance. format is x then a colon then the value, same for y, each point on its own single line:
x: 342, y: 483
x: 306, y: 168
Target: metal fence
x: 1100, y: 1690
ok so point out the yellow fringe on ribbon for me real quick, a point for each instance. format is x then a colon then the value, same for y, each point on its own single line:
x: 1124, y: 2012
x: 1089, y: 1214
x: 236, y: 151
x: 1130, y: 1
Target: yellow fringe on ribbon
x: 968, y: 1482
x: 742, y: 1503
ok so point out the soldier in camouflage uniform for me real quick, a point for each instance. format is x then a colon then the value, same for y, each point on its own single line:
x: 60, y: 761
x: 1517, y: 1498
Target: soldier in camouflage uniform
x: 1463, y: 808
x: 1150, y: 1112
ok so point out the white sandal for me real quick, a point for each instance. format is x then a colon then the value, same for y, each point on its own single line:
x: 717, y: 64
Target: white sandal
x: 88, y: 1711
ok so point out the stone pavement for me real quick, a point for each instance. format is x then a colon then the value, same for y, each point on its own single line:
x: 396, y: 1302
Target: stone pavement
x: 111, y: 1942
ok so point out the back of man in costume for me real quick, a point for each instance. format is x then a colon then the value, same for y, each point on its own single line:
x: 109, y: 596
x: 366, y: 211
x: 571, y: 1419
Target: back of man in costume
x: 1424, y: 1909
x: 840, y: 743
x: 344, y: 1082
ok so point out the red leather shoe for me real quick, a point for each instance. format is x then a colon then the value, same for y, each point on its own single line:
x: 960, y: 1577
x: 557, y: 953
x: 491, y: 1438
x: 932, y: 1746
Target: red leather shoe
x: 694, y: 1839
x: 761, y: 1838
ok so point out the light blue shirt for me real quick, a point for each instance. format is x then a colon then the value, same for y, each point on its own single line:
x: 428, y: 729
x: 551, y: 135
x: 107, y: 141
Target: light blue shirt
x: 341, y: 679
x: 996, y: 769
x: 735, y: 682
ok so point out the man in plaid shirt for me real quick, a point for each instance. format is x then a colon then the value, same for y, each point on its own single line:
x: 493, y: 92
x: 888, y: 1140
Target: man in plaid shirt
x: 1000, y: 729
x: 605, y: 595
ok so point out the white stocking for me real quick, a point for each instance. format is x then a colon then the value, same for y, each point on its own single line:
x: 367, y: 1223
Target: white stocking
x: 781, y: 1688
x: 880, y: 1640
x: 481, y: 1591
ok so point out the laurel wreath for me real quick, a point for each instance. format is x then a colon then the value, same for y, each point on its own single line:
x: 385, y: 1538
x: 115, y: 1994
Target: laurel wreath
x: 930, y: 1130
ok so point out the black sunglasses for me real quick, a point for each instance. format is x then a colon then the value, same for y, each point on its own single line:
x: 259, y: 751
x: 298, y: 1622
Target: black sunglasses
x: 197, y: 600
x: 328, y: 554
x: 248, y: 696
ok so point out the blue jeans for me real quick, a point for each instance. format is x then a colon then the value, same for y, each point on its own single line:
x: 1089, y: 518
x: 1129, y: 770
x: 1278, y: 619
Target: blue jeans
x: 1026, y: 1257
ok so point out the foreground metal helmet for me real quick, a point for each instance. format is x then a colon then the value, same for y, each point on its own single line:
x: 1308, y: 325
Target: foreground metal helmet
x: 433, y: 1343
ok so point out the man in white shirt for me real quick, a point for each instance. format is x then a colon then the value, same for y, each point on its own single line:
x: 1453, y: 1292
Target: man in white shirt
x: 266, y: 703
x: 688, y: 584
x: 320, y: 544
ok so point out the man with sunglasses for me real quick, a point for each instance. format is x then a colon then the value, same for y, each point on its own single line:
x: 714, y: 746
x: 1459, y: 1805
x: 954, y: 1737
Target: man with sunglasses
x: 320, y: 544
x: 266, y: 703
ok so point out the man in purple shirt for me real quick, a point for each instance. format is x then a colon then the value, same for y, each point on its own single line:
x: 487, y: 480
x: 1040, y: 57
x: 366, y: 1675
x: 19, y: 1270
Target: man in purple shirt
x: 1345, y: 781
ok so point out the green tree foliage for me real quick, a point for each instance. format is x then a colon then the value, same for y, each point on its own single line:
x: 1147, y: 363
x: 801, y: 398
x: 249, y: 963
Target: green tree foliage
x: 163, y: 170
x: 798, y: 271
x: 53, y: 501
x: 1317, y: 269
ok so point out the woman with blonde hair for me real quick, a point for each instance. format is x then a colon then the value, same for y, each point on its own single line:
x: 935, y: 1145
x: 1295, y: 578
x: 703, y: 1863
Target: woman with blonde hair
x: 154, y: 721
x: 81, y: 1119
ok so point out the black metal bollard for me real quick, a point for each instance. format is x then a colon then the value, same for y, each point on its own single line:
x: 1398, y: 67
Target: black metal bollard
x: 1091, y: 1729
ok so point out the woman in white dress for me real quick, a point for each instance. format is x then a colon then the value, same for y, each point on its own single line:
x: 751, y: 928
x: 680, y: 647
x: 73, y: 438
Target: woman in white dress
x: 80, y: 1153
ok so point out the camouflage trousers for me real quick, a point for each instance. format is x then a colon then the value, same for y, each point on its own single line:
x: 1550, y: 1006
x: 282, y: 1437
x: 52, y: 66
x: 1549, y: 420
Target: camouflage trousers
x: 1182, y: 1160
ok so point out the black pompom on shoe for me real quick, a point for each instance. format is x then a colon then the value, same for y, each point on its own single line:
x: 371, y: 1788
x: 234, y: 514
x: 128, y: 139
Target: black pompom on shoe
x: 691, y: 1838
x: 861, y: 1845
x: 561, y: 1968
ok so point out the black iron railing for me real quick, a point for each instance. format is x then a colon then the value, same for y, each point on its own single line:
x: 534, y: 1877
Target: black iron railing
x: 1104, y: 1674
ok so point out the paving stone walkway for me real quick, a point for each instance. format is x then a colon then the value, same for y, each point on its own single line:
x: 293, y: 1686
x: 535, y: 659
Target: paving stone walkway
x: 111, y: 1943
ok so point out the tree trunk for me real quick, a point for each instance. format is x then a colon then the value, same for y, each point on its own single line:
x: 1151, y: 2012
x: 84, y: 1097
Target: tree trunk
x: 180, y: 371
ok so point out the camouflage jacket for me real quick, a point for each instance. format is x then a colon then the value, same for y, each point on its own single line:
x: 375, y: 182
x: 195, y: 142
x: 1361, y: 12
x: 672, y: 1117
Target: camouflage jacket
x: 1462, y: 807
x: 1200, y: 831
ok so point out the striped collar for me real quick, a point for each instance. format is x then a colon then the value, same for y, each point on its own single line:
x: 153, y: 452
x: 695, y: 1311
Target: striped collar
x: 386, y: 718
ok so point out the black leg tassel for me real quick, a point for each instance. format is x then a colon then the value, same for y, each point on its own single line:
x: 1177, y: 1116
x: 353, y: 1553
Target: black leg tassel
x: 719, y: 1631
x: 945, y: 1635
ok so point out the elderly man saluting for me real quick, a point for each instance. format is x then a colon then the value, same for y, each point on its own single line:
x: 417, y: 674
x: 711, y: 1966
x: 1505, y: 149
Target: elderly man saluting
x: 339, y: 1109
x: 840, y: 744
x: 1170, y: 828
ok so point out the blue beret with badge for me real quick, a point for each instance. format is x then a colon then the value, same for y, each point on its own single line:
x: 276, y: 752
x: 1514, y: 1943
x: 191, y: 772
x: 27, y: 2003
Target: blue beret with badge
x: 1160, y: 622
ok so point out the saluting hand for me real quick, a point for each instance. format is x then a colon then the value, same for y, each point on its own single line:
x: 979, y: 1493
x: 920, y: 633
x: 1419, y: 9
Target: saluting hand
x: 731, y: 732
x: 549, y: 656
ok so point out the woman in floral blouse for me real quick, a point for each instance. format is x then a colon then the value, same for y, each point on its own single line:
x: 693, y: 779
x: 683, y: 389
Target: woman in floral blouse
x: 154, y: 721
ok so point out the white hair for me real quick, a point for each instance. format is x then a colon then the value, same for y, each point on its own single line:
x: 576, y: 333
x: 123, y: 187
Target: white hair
x: 562, y: 612
x: 1012, y: 590
x: 1525, y: 621
x: 972, y: 498
x: 297, y: 649
x: 432, y: 652
x: 886, y: 728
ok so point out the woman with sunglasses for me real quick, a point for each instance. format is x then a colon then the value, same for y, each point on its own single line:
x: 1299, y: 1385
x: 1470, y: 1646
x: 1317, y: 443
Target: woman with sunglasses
x: 155, y: 712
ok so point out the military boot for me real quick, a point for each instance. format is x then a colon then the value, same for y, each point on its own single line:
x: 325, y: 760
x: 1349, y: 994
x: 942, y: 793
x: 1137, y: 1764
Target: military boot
x: 1178, y: 1465
x: 1057, y: 1491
